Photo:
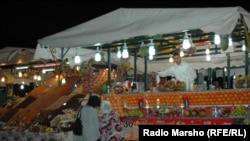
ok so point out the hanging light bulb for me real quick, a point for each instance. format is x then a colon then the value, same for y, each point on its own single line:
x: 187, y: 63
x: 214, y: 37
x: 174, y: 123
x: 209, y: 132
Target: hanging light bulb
x: 207, y: 51
x: 208, y: 58
x: 38, y: 78
x: 77, y: 58
x: 119, y: 53
x: 230, y: 41
x: 171, y: 60
x: 22, y: 87
x: 77, y: 68
x: 35, y: 77
x: 234, y: 76
x: 125, y: 51
x: 150, y: 57
x: 20, y: 74
x: 217, y: 39
x: 243, y: 46
x: 3, y: 79
x: 151, y: 50
x: 43, y: 71
x: 186, y: 42
x: 97, y: 55
x: 181, y: 53
x: 63, y: 81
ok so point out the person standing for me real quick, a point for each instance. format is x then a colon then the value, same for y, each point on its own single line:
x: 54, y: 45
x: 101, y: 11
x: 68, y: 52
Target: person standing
x: 182, y: 71
x: 90, y: 119
x: 218, y: 83
x: 111, y: 129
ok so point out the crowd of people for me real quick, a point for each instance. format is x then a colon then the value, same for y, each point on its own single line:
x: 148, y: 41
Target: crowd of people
x: 100, y: 122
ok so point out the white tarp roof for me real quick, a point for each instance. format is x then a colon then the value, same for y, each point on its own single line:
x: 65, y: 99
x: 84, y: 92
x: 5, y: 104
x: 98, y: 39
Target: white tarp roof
x: 16, y: 55
x: 130, y: 22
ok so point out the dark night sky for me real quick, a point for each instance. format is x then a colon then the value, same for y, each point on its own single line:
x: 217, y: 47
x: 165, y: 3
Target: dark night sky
x: 24, y: 22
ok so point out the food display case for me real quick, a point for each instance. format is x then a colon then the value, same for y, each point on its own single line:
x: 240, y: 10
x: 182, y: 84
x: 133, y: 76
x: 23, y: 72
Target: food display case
x: 214, y: 107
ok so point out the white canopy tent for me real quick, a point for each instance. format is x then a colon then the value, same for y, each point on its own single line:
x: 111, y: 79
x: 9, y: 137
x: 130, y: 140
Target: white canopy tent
x: 16, y: 55
x: 125, y: 23
x: 131, y: 22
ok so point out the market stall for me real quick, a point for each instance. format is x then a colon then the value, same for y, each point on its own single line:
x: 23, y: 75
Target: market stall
x: 157, y: 108
x: 169, y: 106
x: 214, y: 107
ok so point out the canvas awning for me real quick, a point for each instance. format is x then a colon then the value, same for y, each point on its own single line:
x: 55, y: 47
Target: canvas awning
x: 125, y: 23
x: 140, y: 24
x: 16, y: 55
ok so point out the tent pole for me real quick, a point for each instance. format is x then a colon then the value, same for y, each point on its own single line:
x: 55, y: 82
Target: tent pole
x: 246, y: 63
x: 62, y: 65
x: 145, y: 72
x: 135, y: 67
x: 62, y: 56
x: 109, y: 72
x: 60, y: 70
x: 228, y: 72
x: 247, y: 42
x: 224, y: 79
x: 209, y: 77
x: 246, y: 34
